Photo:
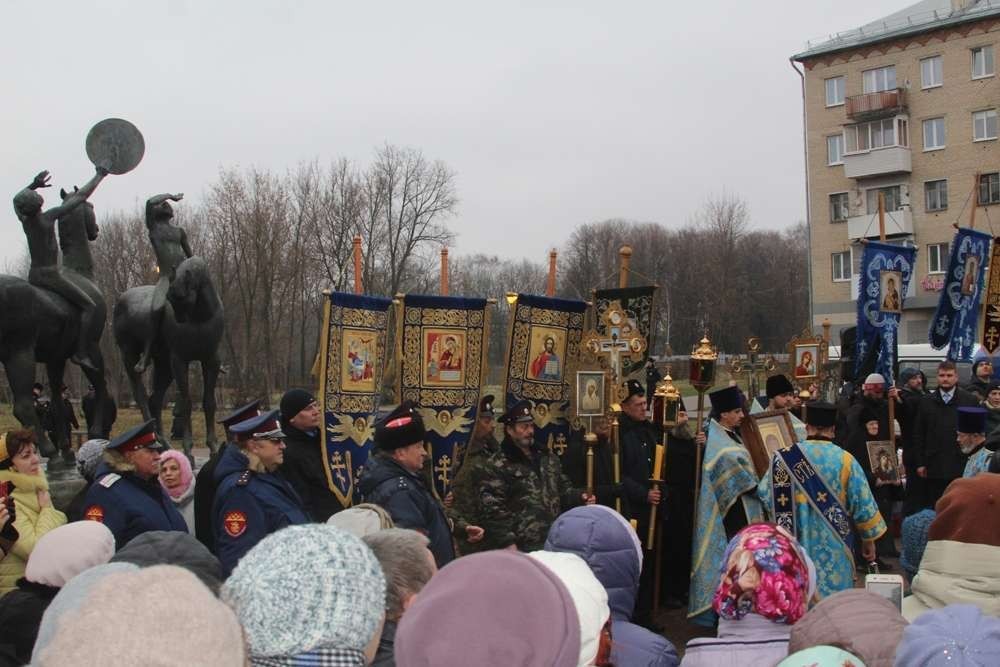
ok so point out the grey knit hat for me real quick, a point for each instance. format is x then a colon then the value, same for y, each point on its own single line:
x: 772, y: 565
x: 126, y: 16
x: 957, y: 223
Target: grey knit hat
x: 307, y: 587
x: 88, y: 456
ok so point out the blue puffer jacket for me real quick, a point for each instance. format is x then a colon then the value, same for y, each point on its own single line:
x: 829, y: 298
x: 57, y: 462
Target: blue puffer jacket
x: 602, y: 538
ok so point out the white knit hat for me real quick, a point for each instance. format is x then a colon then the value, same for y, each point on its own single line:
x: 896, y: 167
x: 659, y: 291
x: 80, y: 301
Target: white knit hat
x: 66, y: 551
x: 875, y: 378
x: 589, y: 597
x: 307, y: 587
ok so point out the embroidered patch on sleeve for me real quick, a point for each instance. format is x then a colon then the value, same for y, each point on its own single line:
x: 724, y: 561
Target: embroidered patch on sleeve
x: 94, y: 513
x: 235, y: 523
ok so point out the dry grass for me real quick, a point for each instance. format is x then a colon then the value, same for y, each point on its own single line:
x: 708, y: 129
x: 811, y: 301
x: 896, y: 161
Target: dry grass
x: 127, y: 418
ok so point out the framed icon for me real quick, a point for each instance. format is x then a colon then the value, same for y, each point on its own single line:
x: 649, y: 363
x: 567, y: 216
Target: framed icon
x: 590, y: 396
x: 764, y: 434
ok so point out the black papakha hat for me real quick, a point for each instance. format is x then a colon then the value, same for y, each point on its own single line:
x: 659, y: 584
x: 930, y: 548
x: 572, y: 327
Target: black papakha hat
x: 401, y: 428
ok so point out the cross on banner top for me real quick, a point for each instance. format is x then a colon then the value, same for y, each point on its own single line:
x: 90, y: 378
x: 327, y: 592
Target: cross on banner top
x: 752, y: 366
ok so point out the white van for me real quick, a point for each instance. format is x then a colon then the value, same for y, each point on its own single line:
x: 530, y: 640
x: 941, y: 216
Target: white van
x: 926, y: 358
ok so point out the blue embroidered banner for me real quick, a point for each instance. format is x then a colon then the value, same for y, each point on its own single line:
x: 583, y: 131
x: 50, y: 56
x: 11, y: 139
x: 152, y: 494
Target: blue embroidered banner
x: 954, y: 322
x: 441, y: 369
x: 885, y: 276
x: 639, y: 303
x: 352, y: 344
x: 542, y: 353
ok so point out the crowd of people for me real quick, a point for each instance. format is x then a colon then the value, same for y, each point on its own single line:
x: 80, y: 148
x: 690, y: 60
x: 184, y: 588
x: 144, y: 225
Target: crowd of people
x: 530, y: 559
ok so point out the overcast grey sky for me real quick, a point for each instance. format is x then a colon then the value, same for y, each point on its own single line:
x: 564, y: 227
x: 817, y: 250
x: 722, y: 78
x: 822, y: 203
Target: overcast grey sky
x: 551, y: 113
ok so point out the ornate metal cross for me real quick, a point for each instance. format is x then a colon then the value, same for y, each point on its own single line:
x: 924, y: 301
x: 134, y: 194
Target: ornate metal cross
x: 752, y: 366
x: 444, y: 471
x: 622, y: 338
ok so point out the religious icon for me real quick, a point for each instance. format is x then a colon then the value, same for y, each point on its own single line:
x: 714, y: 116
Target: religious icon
x: 546, y: 352
x: 890, y: 283
x: 589, y: 393
x: 882, y: 457
x: 444, y: 357
x: 358, y: 364
x: 764, y: 434
x: 971, y: 273
x: 805, y: 361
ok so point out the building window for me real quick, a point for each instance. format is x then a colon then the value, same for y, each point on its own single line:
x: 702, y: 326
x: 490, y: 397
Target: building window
x: 839, y: 208
x: 989, y: 189
x: 982, y: 62
x: 892, y: 195
x: 936, y: 195
x: 933, y: 134
x: 937, y: 257
x: 930, y: 72
x: 883, y: 133
x: 984, y: 125
x: 835, y: 91
x: 877, y: 80
x: 835, y: 149
x: 841, y: 266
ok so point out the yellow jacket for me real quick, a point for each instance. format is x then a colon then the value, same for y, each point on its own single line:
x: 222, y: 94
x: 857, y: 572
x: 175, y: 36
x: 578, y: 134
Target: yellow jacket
x: 32, y: 522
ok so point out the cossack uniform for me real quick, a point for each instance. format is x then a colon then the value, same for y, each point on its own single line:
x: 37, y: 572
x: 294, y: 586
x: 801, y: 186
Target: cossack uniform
x: 250, y: 502
x: 124, y: 502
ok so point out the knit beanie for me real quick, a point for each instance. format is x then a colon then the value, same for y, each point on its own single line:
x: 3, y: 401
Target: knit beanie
x: 186, y: 474
x: 173, y: 547
x: 361, y: 520
x: 967, y: 511
x: 66, y: 551
x: 958, y: 635
x: 307, y: 587
x: 69, y: 598
x: 490, y: 608
x: 184, y: 624
x: 866, y: 624
x: 589, y: 598
x: 907, y: 374
x: 914, y: 540
x: 89, y: 456
x: 293, y: 402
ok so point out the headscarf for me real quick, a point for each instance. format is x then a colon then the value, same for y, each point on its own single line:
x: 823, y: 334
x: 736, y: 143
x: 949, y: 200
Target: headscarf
x: 186, y: 474
x: 766, y: 572
x: 967, y: 511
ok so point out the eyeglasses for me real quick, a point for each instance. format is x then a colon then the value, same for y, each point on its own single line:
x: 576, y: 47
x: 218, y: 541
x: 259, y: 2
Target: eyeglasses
x: 604, y: 646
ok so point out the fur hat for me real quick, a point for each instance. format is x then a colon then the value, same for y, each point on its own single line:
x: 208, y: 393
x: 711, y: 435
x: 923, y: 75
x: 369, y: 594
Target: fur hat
x: 189, y: 625
x: 307, y: 587
x: 400, y: 428
x: 778, y: 385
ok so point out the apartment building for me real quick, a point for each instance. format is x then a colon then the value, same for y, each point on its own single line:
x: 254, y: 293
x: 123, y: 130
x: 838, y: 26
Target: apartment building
x: 905, y: 106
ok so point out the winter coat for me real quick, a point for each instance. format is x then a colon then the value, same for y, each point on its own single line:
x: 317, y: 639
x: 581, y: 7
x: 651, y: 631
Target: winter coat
x: 185, y: 505
x: 604, y: 542
x: 638, y: 446
x: 31, y: 523
x: 204, y: 500
x: 992, y: 418
x: 386, y: 654
x: 934, y: 435
x: 753, y: 641
x: 249, y: 506
x: 405, y: 497
x: 129, y: 505
x: 955, y: 573
x: 20, y: 615
x: 303, y: 468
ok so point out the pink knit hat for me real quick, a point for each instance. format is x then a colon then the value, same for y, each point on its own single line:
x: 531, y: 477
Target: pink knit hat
x: 66, y: 551
x: 186, y: 474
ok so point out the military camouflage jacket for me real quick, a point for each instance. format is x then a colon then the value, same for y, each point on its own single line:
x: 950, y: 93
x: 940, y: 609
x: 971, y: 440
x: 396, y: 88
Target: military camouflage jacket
x: 520, y: 497
x: 465, y: 509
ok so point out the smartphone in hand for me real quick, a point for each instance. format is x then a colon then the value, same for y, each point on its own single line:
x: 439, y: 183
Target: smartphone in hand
x: 889, y: 586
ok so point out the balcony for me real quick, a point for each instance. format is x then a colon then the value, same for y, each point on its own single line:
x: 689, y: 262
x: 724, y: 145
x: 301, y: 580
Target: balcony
x: 876, y: 105
x: 878, y: 162
x: 866, y: 226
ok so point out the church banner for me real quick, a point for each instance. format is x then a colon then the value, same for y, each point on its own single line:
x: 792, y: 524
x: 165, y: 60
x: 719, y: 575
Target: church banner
x: 441, y: 369
x: 991, y: 303
x: 542, y: 353
x: 638, y: 303
x: 886, y: 271
x: 954, y: 322
x: 353, y: 351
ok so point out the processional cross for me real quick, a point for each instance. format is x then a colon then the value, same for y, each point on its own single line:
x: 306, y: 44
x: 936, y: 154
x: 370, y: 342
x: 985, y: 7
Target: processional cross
x: 752, y: 366
x: 621, y: 338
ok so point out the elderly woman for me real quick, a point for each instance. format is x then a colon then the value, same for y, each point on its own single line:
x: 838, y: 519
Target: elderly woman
x: 21, y: 466
x: 177, y: 480
x: 766, y: 585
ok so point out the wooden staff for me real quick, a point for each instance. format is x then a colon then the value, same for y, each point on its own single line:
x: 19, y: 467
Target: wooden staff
x: 698, y: 452
x: 550, y: 288
x: 892, y: 403
x: 616, y: 459
x: 444, y: 271
x: 358, y: 288
x: 590, y: 439
x: 625, y: 252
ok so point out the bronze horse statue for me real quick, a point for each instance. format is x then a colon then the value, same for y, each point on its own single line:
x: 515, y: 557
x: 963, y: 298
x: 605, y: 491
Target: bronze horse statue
x: 41, y: 326
x: 190, y: 330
